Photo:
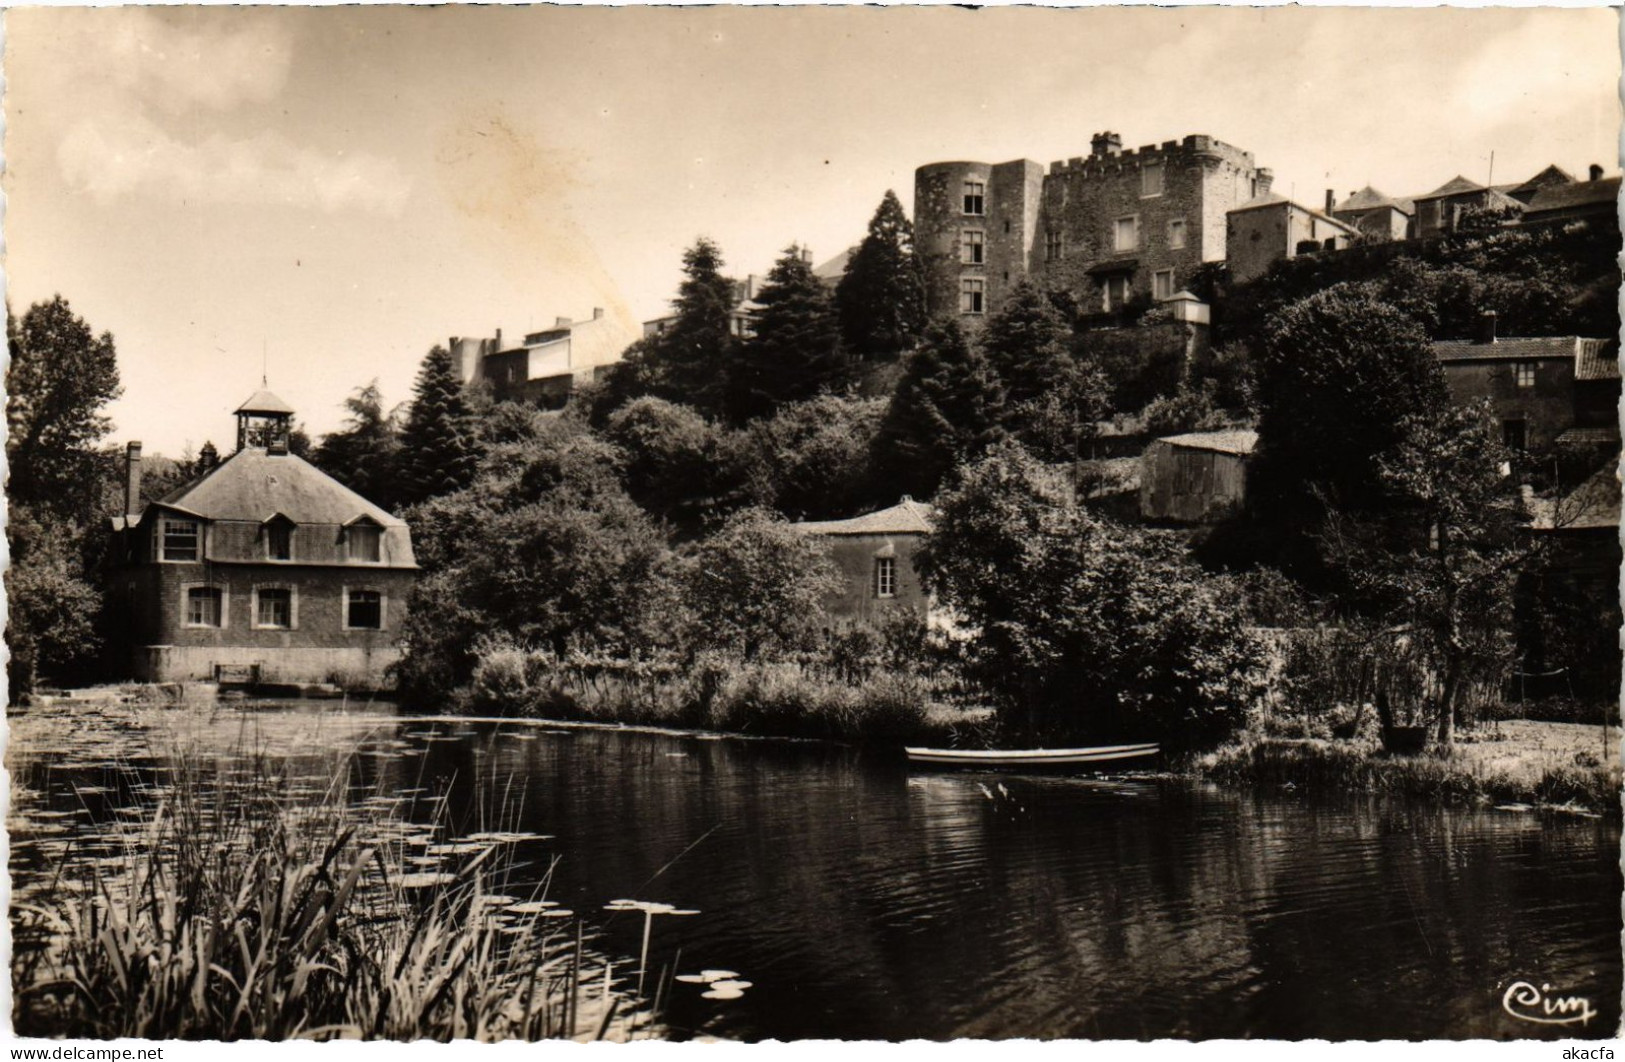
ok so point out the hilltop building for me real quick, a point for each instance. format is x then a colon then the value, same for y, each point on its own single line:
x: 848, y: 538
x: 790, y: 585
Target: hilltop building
x: 1110, y: 227
x: 263, y: 569
x: 1272, y: 227
x: 1374, y: 215
x: 548, y: 365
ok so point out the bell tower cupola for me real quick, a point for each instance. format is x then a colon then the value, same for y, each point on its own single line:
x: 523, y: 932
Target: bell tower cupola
x: 263, y: 423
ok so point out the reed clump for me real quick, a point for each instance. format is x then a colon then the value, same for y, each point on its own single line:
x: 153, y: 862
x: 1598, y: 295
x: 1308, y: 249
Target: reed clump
x: 239, y: 909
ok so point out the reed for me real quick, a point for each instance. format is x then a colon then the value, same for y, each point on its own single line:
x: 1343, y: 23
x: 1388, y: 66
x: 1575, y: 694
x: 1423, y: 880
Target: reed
x: 241, y: 909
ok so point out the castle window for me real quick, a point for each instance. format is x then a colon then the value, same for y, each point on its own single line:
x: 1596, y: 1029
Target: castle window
x: 975, y: 191
x: 1151, y: 179
x: 971, y: 290
x: 363, y: 541
x: 970, y: 247
x: 1052, y: 247
x: 180, y: 539
x: 1525, y: 373
x: 885, y: 577
x: 204, y: 606
x: 273, y: 607
x: 1126, y: 234
x: 1176, y: 233
x: 1162, y: 284
x: 363, y: 610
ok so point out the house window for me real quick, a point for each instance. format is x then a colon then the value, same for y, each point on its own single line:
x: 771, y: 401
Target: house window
x: 1525, y: 373
x: 975, y: 192
x: 279, y: 540
x: 363, y: 610
x: 1514, y: 434
x: 204, y: 606
x: 180, y: 539
x: 1162, y: 283
x: 970, y: 247
x: 1126, y: 234
x: 273, y: 607
x: 1151, y: 179
x: 362, y: 542
x: 1052, y: 246
x: 970, y: 295
x: 1176, y: 233
x: 885, y: 577
x: 1116, y: 291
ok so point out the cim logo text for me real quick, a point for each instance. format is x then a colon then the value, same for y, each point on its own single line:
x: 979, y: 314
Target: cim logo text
x: 1527, y: 1002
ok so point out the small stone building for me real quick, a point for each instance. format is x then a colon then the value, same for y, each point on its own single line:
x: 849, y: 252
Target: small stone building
x: 1262, y: 231
x: 264, y: 569
x: 1195, y: 478
x: 875, y: 553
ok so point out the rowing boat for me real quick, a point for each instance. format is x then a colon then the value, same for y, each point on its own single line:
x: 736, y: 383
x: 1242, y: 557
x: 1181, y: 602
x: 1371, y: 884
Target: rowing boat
x: 1029, y: 757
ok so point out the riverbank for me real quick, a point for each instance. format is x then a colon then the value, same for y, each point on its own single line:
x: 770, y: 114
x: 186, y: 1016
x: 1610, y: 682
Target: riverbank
x: 1515, y: 763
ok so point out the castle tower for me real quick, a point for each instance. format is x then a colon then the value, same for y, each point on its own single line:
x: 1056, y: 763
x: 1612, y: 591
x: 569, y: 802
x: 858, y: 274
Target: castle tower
x: 973, y: 230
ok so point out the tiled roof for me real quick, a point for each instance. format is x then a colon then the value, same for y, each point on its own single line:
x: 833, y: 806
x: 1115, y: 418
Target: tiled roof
x: 1367, y: 198
x: 1584, y: 436
x: 833, y: 270
x: 1578, y: 194
x: 264, y: 402
x: 1457, y: 185
x: 1257, y: 202
x: 1512, y: 348
x: 254, y: 485
x: 907, y: 517
x: 1224, y: 442
x: 1596, y: 359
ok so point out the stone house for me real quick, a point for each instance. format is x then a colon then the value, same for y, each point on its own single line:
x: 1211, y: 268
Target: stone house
x: 263, y: 569
x: 547, y: 365
x: 1196, y: 478
x: 1595, y: 201
x: 1439, y: 213
x: 1108, y: 228
x: 1541, y: 388
x: 1374, y: 215
x: 875, y: 553
x: 1265, y: 230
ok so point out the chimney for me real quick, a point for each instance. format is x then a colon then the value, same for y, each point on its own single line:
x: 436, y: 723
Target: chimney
x: 1102, y: 144
x: 806, y: 255
x: 1263, y: 179
x: 1331, y: 202
x: 1596, y: 172
x: 1486, y: 327
x: 207, y: 457
x: 499, y: 339
x: 597, y: 313
x: 132, y: 479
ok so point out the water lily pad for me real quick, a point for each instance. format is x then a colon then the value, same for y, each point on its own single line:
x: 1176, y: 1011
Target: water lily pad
x: 717, y: 993
x: 424, y: 880
x: 730, y: 986
x: 458, y: 848
x: 533, y: 906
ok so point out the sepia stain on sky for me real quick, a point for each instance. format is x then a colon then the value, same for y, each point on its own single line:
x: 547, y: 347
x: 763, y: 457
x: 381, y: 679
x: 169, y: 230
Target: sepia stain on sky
x: 348, y: 186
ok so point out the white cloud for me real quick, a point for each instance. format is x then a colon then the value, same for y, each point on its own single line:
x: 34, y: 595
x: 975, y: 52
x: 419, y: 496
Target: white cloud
x: 177, y: 60
x: 110, y: 158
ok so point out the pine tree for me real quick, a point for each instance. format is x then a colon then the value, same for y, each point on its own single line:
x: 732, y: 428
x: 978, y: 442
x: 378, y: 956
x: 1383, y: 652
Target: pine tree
x: 364, y: 454
x: 439, y: 451
x: 689, y: 362
x: 1054, y: 400
x: 881, y: 297
x: 947, y: 410
x: 796, y: 351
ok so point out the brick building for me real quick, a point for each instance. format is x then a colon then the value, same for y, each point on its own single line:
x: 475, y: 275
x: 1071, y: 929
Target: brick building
x: 1110, y: 227
x: 263, y: 569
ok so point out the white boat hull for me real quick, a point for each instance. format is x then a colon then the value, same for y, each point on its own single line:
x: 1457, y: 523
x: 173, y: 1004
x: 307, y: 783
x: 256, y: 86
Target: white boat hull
x: 1030, y: 757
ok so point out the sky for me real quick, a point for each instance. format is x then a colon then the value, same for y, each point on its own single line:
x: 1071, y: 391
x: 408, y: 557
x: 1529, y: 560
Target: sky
x: 323, y: 194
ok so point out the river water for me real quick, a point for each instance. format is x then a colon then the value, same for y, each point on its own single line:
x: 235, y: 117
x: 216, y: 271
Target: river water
x: 864, y: 900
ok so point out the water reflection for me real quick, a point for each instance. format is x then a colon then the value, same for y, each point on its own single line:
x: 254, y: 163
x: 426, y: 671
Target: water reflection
x: 863, y: 901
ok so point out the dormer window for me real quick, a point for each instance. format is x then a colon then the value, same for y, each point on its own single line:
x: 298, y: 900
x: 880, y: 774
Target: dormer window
x: 278, y: 535
x: 363, y: 541
x: 180, y: 539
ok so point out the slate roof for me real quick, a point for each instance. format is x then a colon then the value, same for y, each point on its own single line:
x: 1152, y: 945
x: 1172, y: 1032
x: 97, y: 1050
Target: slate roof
x: 1593, y: 504
x: 833, y: 270
x: 1572, y: 196
x: 1457, y: 185
x: 252, y: 485
x: 1258, y: 202
x: 1241, y: 442
x: 264, y: 402
x: 907, y: 517
x: 1368, y: 198
x: 1513, y: 348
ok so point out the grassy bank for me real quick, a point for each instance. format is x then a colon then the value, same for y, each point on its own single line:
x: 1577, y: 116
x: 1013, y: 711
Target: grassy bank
x: 1513, y: 762
x: 238, y: 907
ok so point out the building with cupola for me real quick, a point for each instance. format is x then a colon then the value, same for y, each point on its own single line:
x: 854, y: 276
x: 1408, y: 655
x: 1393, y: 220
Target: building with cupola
x: 263, y: 570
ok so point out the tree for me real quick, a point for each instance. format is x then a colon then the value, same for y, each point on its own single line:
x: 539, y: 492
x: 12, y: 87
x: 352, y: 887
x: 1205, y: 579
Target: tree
x: 675, y: 467
x: 61, y: 376
x: 51, y: 608
x: 795, y: 352
x: 881, y: 296
x: 758, y: 585
x: 810, y: 460
x: 1079, y: 629
x: 948, y: 408
x: 1053, y: 400
x: 690, y: 361
x: 1339, y: 374
x: 364, y: 453
x: 439, y: 450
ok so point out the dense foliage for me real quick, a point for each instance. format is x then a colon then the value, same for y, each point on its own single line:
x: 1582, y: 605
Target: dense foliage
x: 881, y: 296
